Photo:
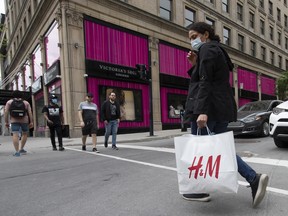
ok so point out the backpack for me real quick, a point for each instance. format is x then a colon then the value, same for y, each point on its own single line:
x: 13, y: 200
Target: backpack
x: 17, y: 108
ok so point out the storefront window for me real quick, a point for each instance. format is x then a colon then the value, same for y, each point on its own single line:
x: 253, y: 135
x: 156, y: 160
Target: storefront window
x: 40, y: 122
x: 176, y: 104
x: 36, y: 59
x: 20, y: 81
x: 55, y: 89
x: 130, y: 102
x: 51, y: 45
x: 27, y: 76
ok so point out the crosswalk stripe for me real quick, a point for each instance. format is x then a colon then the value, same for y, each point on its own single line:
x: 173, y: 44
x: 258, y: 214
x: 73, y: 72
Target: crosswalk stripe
x: 271, y: 189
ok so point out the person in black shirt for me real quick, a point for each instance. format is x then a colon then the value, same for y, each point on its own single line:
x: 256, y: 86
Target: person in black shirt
x: 53, y: 113
x: 110, y: 112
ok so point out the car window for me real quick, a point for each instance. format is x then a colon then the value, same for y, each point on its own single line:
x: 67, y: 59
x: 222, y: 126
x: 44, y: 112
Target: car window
x: 255, y: 106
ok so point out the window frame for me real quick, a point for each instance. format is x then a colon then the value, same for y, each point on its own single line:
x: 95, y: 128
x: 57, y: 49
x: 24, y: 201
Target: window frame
x: 226, y: 39
x: 186, y: 19
x: 253, y: 48
x: 168, y: 10
x: 225, y: 6
x: 262, y: 27
x: 241, y: 44
x: 263, y: 53
x: 270, y: 8
x: 251, y: 19
x: 272, y: 57
x: 240, y: 12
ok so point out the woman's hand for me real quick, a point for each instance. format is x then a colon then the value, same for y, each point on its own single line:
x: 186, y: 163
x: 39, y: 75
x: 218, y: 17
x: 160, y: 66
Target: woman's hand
x: 202, y: 120
x: 192, y: 57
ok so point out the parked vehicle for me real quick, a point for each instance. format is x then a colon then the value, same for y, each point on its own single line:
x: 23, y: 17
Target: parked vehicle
x: 253, y: 118
x: 278, y: 123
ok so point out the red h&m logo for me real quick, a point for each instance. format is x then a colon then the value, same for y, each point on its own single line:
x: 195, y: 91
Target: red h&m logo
x: 209, y: 168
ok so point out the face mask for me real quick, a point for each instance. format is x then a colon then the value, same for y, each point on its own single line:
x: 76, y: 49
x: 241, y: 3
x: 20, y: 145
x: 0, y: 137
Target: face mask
x: 54, y: 100
x: 196, y: 44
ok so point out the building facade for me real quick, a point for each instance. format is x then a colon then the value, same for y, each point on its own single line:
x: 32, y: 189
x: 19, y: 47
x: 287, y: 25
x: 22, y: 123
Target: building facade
x: 136, y: 48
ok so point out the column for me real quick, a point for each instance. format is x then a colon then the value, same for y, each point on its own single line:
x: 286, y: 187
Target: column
x: 72, y: 64
x: 154, y: 55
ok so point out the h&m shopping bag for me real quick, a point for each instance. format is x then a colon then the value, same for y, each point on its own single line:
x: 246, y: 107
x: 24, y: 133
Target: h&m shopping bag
x: 206, y: 164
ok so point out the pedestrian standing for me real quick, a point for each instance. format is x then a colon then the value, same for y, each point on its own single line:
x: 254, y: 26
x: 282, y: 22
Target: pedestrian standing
x: 89, y: 121
x: 20, y: 118
x: 110, y: 112
x: 53, y: 113
x: 210, y: 101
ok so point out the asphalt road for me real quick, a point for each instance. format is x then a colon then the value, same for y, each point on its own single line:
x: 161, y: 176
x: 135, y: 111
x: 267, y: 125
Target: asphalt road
x: 136, y: 180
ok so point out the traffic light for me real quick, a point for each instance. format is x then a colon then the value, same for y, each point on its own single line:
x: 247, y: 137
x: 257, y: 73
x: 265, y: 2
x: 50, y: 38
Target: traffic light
x: 141, y: 68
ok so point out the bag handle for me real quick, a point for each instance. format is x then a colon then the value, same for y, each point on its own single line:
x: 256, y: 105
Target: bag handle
x: 208, y: 131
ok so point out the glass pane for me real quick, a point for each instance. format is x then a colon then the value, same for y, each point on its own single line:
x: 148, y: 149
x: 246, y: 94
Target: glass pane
x: 165, y: 14
x: 165, y: 4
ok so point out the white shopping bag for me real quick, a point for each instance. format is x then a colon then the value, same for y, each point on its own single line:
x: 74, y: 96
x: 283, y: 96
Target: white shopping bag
x: 206, y: 164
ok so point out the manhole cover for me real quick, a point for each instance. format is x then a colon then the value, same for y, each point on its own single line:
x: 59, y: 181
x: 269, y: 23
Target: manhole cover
x: 245, y: 154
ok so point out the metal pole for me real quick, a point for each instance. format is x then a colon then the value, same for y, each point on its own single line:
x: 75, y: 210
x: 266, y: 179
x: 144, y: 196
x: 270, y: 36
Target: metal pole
x: 151, y: 108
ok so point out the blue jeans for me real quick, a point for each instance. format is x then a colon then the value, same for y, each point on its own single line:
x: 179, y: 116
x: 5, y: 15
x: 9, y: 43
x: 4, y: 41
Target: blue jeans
x: 220, y: 127
x: 112, y: 126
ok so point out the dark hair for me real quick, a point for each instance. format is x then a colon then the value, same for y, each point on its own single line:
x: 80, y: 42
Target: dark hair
x: 17, y: 94
x: 202, y: 27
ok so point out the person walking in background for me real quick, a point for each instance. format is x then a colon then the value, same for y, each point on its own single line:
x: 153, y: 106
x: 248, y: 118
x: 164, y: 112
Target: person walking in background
x: 110, y: 112
x: 20, y: 118
x: 210, y: 101
x: 89, y: 121
x: 53, y: 113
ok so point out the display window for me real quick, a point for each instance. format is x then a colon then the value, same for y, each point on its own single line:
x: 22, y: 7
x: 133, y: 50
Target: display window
x: 51, y: 42
x: 130, y: 102
x: 172, y: 104
x: 36, y: 61
x: 176, y: 105
x: 40, y: 122
x: 133, y: 98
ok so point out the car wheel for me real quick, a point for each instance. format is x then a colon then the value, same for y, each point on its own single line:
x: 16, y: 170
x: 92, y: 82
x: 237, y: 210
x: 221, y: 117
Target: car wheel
x: 280, y: 143
x: 265, y: 129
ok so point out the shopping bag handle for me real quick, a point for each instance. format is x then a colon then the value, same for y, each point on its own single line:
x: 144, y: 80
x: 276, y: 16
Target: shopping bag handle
x: 208, y: 131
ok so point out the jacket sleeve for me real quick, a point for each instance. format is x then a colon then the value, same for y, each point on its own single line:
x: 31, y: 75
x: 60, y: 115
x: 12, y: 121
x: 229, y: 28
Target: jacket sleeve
x: 103, y: 110
x: 207, y: 57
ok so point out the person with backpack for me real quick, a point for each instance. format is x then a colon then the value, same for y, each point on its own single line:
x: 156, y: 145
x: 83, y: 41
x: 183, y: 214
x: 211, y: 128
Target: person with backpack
x: 53, y: 113
x: 21, y: 118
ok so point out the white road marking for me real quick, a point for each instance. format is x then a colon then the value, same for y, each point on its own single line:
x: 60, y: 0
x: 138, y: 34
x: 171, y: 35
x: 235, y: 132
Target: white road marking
x: 267, y: 161
x: 258, y: 160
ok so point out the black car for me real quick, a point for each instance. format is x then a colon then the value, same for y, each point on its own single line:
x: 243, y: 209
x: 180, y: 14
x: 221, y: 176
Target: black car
x: 253, y: 118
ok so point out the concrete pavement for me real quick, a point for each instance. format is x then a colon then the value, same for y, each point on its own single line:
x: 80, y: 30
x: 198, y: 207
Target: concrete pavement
x: 133, y: 138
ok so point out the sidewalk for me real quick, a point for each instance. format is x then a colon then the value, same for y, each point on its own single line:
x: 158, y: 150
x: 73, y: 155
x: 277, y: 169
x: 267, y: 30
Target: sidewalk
x: 133, y: 138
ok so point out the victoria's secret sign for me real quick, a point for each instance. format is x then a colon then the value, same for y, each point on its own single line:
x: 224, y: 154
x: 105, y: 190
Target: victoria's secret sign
x: 106, y: 70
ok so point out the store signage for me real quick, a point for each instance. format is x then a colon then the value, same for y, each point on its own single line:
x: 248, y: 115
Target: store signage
x: 37, y: 85
x: 106, y: 70
x: 52, y: 73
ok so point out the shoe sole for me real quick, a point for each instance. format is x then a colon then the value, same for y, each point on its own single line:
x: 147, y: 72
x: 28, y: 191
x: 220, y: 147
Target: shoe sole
x: 263, y: 182
x: 204, y: 199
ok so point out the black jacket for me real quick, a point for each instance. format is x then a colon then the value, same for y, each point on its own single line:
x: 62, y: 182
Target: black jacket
x: 209, y: 90
x: 106, y: 111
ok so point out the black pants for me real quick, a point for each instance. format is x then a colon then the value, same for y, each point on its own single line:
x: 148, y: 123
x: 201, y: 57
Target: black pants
x: 58, y: 129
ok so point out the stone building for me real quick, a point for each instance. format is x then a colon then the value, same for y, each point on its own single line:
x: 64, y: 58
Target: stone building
x: 138, y: 49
